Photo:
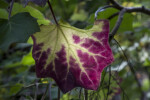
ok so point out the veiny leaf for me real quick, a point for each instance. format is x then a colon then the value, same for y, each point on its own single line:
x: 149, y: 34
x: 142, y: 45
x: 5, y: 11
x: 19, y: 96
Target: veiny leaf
x: 17, y: 29
x: 71, y: 56
x: 38, y: 2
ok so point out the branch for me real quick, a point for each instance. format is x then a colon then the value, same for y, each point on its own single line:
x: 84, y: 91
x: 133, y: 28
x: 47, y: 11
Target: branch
x: 80, y: 92
x: 116, y: 4
x: 118, y: 23
x: 26, y: 87
x: 113, y: 15
x: 10, y: 9
x: 131, y: 68
x: 131, y: 9
x: 36, y: 90
x: 85, y: 94
x: 109, y: 83
x: 120, y: 87
x: 44, y: 95
x: 58, y: 97
x: 50, y: 86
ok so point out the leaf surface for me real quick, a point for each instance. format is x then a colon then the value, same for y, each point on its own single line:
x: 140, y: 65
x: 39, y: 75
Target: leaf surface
x: 71, y: 56
x: 18, y: 29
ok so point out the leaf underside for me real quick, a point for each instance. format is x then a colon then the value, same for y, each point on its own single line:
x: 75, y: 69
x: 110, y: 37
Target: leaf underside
x: 71, y: 56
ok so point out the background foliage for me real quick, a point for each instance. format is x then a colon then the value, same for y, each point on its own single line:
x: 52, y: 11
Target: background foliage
x: 17, y: 70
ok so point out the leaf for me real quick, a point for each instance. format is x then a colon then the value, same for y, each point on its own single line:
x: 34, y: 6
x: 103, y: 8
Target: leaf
x: 33, y: 12
x: 17, y: 29
x: 126, y: 24
x: 38, y: 2
x: 3, y: 14
x: 18, y: 8
x: 3, y: 4
x: 71, y: 56
x: 28, y: 60
x: 16, y: 88
x: 81, y: 15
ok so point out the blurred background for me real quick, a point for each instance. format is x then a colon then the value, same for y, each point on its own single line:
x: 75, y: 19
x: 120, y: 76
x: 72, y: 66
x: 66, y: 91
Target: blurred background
x: 128, y: 78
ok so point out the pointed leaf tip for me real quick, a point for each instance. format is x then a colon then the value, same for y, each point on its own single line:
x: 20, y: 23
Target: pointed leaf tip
x: 71, y: 56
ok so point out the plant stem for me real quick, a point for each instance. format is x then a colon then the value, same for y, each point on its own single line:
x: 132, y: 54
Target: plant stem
x: 80, y: 93
x: 85, y: 94
x: 10, y: 9
x: 44, y: 95
x: 58, y: 94
x: 118, y: 23
x: 50, y: 86
x: 51, y: 9
x: 109, y: 83
x: 36, y: 91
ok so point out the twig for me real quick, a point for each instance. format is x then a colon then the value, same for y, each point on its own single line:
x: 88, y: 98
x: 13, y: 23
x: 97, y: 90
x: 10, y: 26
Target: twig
x: 50, y: 86
x: 131, y: 68
x: 118, y: 23
x: 58, y: 98
x: 36, y: 90
x: 10, y: 9
x: 121, y: 14
x: 109, y: 82
x: 131, y: 9
x: 116, y: 4
x: 80, y: 93
x: 113, y: 15
x: 51, y: 9
x: 124, y: 93
x: 24, y: 88
x: 44, y: 95
x: 104, y: 93
x: 85, y: 94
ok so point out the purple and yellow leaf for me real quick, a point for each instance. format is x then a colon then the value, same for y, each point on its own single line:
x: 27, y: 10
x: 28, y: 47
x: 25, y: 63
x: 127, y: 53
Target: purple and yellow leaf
x: 72, y: 57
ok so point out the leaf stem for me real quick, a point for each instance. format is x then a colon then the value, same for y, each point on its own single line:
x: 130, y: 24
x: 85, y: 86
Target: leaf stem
x: 10, y: 9
x: 50, y: 86
x: 51, y: 9
x: 58, y: 98
x: 109, y: 83
x: 85, y: 94
x: 44, y: 95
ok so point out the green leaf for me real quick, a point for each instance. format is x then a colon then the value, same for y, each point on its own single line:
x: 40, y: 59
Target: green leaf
x: 3, y: 14
x: 145, y: 86
x: 3, y: 4
x: 81, y: 15
x: 33, y: 12
x: 126, y: 24
x: 28, y: 60
x: 17, y: 29
x: 16, y: 88
x: 147, y: 62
